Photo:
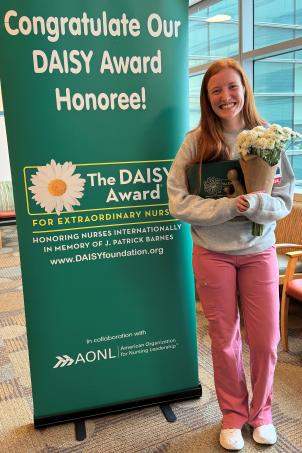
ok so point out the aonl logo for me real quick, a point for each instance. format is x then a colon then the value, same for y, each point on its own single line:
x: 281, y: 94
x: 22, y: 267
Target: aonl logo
x: 84, y: 358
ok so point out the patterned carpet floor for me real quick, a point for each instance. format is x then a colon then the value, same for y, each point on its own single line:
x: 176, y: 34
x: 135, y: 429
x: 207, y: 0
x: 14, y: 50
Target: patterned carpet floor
x: 146, y: 431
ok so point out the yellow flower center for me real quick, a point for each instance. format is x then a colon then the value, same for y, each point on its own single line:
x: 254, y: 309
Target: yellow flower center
x: 57, y: 187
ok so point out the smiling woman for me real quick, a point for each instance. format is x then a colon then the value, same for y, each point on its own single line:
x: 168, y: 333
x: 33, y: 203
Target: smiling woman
x: 228, y: 259
x: 227, y: 105
x: 226, y: 95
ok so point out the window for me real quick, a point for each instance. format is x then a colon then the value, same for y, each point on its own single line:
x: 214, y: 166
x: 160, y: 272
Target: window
x: 268, y: 43
x: 276, y: 21
x: 210, y: 37
x: 194, y: 90
x: 278, y: 93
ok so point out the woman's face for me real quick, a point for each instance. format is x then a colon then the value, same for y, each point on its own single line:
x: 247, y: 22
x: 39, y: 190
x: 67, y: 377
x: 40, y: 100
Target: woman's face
x: 226, y: 95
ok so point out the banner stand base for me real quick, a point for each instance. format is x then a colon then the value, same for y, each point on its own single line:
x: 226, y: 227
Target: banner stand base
x: 80, y: 430
x: 168, y: 413
x: 195, y: 392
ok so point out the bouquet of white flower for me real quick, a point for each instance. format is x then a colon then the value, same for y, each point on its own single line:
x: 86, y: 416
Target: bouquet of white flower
x: 260, y: 149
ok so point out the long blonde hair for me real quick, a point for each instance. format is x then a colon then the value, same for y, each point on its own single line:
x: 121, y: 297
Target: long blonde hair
x: 211, y: 141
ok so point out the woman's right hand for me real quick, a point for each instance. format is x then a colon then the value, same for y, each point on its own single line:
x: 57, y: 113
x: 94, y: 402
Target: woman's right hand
x: 242, y: 203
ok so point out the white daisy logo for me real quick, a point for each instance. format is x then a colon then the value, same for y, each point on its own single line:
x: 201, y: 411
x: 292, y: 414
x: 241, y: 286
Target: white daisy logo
x: 55, y: 187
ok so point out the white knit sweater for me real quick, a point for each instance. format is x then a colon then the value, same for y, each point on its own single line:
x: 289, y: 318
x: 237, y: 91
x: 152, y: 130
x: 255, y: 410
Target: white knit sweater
x: 215, y: 224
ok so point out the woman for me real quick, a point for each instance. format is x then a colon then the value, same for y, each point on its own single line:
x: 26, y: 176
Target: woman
x: 228, y: 260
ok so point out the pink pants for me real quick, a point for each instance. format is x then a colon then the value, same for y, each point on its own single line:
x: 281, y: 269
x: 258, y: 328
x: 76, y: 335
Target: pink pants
x: 219, y: 278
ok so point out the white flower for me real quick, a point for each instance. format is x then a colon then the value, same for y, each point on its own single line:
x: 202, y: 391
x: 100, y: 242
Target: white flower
x: 276, y: 128
x: 259, y: 129
x: 290, y: 134
x: 270, y: 143
x: 261, y: 143
x: 266, y: 143
x: 287, y: 131
x: 55, y: 187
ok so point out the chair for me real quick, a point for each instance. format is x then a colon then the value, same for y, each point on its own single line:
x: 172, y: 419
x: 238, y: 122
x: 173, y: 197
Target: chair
x: 291, y: 288
x: 7, y: 208
x: 289, y: 238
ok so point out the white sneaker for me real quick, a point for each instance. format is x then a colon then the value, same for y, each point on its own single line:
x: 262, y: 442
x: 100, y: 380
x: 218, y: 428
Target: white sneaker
x: 231, y: 439
x: 265, y: 434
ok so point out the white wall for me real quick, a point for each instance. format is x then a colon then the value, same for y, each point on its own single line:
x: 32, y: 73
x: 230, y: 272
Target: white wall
x: 4, y: 160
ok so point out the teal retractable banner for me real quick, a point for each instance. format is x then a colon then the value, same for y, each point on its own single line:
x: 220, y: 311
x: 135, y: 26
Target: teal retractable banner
x: 95, y: 102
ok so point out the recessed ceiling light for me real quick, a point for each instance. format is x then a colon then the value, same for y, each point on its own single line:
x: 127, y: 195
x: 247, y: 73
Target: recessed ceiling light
x: 219, y: 18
